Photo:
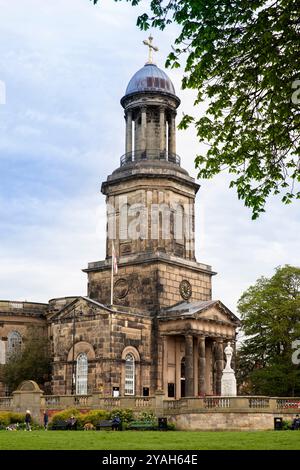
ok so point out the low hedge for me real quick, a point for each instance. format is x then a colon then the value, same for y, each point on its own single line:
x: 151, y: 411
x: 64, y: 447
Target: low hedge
x: 92, y: 416
x: 7, y: 417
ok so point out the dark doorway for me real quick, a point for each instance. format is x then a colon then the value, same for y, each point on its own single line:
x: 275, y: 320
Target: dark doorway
x: 171, y: 390
x: 182, y: 378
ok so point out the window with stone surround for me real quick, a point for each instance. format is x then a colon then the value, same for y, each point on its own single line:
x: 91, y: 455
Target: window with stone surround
x: 14, y: 343
x: 2, y: 352
x: 129, y: 374
x: 82, y: 374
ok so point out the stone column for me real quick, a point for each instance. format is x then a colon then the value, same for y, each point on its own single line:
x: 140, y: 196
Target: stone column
x: 162, y: 126
x: 189, y: 366
x: 233, y: 360
x: 202, y: 367
x: 128, y: 118
x: 219, y: 365
x: 143, y: 129
x: 165, y: 365
x: 172, y: 133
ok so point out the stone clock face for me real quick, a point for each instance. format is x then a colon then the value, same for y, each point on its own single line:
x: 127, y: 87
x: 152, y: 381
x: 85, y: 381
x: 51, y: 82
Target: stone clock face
x: 121, y: 288
x: 185, y: 289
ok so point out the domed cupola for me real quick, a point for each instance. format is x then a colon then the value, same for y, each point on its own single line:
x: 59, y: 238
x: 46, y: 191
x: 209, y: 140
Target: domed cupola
x: 150, y: 105
x: 150, y: 78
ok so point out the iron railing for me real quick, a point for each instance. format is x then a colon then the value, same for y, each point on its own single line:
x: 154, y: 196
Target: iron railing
x: 141, y: 155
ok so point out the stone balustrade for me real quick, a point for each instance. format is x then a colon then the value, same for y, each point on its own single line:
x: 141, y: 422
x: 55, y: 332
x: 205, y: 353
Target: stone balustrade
x: 250, y: 404
x: 6, y: 403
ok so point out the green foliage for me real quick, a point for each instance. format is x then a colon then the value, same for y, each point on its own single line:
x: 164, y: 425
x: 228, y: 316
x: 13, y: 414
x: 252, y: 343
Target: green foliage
x: 33, y: 362
x: 7, y: 417
x: 64, y: 415
x: 147, y: 416
x: 93, y: 417
x: 270, y: 312
x: 242, y: 58
x: 126, y: 415
x: 286, y: 425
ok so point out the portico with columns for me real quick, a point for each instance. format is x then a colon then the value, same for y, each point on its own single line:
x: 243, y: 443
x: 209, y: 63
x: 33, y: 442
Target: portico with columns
x: 193, y: 336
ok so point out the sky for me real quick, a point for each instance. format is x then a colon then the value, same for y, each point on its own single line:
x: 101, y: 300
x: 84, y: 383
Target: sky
x: 64, y: 65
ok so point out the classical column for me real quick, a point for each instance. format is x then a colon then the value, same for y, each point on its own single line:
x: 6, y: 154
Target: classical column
x: 128, y: 118
x: 162, y: 126
x: 189, y: 366
x: 165, y: 365
x: 172, y: 133
x: 219, y: 365
x: 202, y: 367
x: 143, y: 129
x: 233, y: 360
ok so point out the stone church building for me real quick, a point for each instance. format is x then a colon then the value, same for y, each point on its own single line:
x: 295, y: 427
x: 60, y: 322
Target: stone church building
x: 161, y: 330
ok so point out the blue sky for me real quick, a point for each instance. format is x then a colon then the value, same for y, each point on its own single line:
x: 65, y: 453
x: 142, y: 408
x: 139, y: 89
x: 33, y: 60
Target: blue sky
x: 65, y: 65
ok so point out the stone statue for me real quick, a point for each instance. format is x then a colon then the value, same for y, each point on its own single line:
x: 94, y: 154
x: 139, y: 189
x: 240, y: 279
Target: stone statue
x: 228, y: 353
x: 228, y: 382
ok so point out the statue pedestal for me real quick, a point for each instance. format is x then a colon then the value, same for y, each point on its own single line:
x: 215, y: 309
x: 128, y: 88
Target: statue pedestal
x: 228, y: 383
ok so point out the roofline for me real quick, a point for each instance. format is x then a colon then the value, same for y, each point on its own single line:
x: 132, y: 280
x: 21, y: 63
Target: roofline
x: 165, y: 316
x: 151, y: 92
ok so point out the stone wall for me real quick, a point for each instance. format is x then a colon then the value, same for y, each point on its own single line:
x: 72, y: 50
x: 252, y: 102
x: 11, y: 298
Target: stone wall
x: 149, y: 285
x: 104, y: 337
x: 226, y: 421
x: 16, y: 316
x: 143, y: 215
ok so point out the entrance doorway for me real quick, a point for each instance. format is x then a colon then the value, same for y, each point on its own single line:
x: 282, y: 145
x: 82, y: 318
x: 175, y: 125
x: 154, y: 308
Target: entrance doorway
x: 182, y: 378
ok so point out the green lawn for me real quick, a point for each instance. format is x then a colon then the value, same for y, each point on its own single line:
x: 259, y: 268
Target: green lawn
x: 149, y: 440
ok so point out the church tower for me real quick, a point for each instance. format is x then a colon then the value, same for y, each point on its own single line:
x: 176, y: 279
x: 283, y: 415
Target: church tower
x: 150, y: 207
x: 152, y: 326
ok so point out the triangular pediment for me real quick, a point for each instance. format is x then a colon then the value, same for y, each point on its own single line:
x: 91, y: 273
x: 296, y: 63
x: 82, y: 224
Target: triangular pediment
x: 211, y: 310
x: 217, y: 312
x: 81, y: 307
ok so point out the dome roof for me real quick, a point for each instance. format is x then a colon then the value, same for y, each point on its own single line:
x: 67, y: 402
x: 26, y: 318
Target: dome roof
x: 150, y: 78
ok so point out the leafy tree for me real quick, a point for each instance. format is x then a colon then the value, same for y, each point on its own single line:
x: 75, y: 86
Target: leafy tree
x: 32, y: 362
x: 270, y: 312
x: 243, y: 58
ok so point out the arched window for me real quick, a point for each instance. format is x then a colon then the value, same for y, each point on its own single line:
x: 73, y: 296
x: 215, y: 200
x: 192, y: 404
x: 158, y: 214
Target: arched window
x: 82, y: 374
x: 129, y: 375
x: 2, y: 352
x: 14, y: 345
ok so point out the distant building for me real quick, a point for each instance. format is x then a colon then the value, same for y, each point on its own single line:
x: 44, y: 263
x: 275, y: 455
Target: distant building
x: 163, y: 331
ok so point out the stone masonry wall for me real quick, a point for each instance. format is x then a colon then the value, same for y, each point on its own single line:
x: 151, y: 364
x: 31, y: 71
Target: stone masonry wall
x: 149, y: 286
x: 96, y: 335
x: 226, y: 421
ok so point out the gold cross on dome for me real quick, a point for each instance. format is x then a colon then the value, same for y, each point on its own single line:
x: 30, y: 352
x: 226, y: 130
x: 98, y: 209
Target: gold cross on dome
x: 148, y: 42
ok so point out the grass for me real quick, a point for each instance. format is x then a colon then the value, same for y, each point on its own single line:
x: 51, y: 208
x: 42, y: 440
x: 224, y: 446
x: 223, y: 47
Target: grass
x: 149, y: 440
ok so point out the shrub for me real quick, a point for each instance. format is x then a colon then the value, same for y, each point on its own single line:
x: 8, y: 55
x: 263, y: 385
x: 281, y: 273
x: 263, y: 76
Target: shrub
x: 147, y: 416
x: 286, y: 425
x: 7, y: 417
x: 93, y: 417
x: 126, y: 415
x: 64, y: 415
x: 171, y: 427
